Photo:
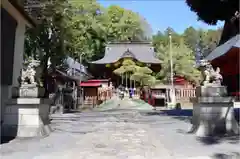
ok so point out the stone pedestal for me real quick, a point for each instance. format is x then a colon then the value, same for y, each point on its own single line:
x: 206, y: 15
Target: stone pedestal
x: 213, y: 116
x: 211, y: 91
x: 26, y: 117
x: 28, y: 91
x: 58, y: 109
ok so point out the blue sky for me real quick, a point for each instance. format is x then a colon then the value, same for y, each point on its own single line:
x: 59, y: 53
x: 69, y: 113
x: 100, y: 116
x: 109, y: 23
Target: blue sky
x: 161, y: 14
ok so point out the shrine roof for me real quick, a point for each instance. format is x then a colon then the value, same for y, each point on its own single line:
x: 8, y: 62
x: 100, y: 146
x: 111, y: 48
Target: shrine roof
x: 234, y: 42
x: 141, y: 51
x: 23, y: 13
x: 230, y: 29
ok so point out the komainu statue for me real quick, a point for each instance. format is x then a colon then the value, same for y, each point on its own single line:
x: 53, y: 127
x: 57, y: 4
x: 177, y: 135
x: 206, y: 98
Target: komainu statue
x: 30, y: 72
x: 209, y: 75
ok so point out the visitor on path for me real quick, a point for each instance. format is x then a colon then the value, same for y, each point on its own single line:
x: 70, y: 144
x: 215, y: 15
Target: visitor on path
x: 149, y: 97
x: 121, y: 92
x: 120, y: 88
x: 130, y: 92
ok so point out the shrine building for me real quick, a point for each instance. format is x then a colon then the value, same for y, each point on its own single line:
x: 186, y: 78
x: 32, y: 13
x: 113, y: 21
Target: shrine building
x: 142, y: 53
x: 226, y: 57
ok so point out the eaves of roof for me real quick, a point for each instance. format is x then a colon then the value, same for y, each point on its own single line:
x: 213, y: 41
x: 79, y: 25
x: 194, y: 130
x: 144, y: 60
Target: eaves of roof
x: 224, y: 48
x: 23, y: 13
x: 143, y: 52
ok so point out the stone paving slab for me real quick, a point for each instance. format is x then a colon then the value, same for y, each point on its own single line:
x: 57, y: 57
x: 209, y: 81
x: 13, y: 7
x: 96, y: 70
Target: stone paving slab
x: 118, y: 133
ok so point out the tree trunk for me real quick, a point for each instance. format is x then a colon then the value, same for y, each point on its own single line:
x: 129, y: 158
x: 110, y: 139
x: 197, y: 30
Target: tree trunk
x: 130, y: 82
x: 122, y: 78
x: 126, y: 81
x: 45, y: 75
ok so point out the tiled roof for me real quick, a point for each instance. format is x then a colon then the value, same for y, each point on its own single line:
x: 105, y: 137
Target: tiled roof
x: 224, y: 48
x: 141, y: 51
x: 21, y: 10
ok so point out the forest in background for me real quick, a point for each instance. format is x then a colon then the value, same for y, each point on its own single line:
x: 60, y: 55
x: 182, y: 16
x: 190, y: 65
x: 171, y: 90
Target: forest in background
x: 71, y: 28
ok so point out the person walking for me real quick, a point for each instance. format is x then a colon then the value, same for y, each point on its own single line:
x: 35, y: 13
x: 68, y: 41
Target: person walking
x: 121, y: 92
x: 130, y: 92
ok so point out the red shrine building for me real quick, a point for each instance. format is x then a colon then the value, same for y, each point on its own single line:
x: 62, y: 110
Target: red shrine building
x: 226, y: 57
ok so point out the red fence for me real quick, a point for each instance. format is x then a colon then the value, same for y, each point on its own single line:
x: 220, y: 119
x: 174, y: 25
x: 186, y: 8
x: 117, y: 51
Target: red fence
x: 182, y: 94
x: 185, y: 93
x: 103, y: 95
x: 90, y: 100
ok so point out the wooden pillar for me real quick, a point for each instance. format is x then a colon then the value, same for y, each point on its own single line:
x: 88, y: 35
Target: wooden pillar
x: 122, y: 78
x: 18, y: 52
x: 130, y: 82
x: 181, y: 93
x: 126, y: 80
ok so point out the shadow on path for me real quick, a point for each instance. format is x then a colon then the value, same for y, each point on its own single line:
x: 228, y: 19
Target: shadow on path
x: 185, y: 115
x: 211, y: 140
x: 5, y: 140
x: 226, y: 156
x: 173, y: 112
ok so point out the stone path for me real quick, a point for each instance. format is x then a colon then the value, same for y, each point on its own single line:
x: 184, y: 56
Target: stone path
x: 126, y: 131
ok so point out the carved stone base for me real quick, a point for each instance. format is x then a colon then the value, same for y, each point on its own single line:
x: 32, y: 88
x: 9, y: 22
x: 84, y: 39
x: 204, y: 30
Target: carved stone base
x: 214, y: 117
x: 58, y: 109
x: 26, y: 117
x: 211, y: 91
x: 28, y: 91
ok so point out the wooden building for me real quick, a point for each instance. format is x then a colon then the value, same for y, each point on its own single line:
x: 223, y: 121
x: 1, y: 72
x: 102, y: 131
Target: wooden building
x: 115, y: 53
x: 67, y: 78
x: 96, y: 89
x: 226, y: 56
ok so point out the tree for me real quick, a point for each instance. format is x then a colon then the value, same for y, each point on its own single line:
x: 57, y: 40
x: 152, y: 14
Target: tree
x: 160, y: 39
x: 191, y: 37
x: 212, y: 11
x: 93, y: 26
x: 76, y: 27
x: 183, y: 63
x: 47, y: 40
x: 88, y: 30
x: 124, y: 25
x: 127, y: 69
x: 204, y: 40
x: 231, y: 15
x: 211, y: 40
x: 143, y: 75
